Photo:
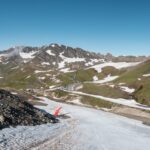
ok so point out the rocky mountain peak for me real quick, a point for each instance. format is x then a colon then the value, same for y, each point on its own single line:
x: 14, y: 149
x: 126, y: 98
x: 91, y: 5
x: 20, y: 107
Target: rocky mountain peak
x: 56, y: 55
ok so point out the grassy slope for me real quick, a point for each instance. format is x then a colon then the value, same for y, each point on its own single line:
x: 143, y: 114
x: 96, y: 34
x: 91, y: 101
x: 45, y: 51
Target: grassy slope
x: 78, y: 76
x: 17, y: 78
x: 111, y: 70
x: 132, y: 75
x: 87, y: 100
x: 104, y: 90
x: 59, y: 93
x: 94, y: 102
x: 87, y: 75
x: 142, y: 93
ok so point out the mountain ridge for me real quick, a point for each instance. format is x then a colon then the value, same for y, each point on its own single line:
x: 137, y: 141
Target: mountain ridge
x: 76, y: 52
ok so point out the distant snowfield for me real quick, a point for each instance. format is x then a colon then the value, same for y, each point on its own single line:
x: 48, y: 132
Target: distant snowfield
x: 65, y: 70
x: 87, y: 129
x: 68, y: 60
x: 41, y: 78
x: 146, y: 75
x: 45, y: 63
x: 27, y: 55
x: 92, y: 61
x: 41, y: 71
x: 95, y: 78
x: 127, y: 89
x: 50, y: 52
x: 15, y: 67
x: 117, y: 65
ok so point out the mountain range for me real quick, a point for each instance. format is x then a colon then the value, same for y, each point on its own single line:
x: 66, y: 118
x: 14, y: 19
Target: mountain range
x: 41, y: 68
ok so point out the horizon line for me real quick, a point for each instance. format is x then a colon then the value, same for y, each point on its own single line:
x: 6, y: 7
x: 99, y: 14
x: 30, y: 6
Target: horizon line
x: 74, y: 47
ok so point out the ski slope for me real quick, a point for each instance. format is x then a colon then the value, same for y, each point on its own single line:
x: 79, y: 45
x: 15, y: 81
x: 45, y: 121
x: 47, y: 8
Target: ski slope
x: 87, y: 129
x: 98, y: 130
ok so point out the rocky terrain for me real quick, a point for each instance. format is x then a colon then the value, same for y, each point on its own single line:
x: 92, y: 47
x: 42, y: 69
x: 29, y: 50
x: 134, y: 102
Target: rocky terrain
x: 14, y: 110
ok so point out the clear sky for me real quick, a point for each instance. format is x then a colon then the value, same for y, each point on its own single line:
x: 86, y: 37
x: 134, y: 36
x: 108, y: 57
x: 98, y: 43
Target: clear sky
x: 116, y: 26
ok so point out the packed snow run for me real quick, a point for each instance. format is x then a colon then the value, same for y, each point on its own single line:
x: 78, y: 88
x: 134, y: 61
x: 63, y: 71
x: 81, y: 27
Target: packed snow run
x: 87, y: 129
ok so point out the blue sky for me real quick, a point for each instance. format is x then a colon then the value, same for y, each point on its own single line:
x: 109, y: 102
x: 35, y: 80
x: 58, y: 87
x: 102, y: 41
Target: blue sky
x: 116, y: 26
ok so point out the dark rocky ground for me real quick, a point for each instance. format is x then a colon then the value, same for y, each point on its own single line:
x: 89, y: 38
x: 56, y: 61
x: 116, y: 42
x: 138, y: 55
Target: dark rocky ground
x: 15, y: 110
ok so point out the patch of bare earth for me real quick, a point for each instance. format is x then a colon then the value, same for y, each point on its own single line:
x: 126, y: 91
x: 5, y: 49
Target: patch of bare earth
x: 133, y: 113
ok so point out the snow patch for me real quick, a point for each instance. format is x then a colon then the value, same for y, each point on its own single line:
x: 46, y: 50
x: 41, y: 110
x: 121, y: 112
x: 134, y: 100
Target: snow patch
x: 106, y: 79
x: 54, y: 63
x: 4, y: 63
x: 95, y: 78
x: 41, y: 71
x: 48, y: 74
x: 41, y: 78
x: 146, y: 75
x: 45, y: 63
x: 51, y: 87
x: 117, y: 65
x: 15, y: 67
x: 93, y: 61
x: 65, y: 70
x: 112, y: 85
x: 52, y: 45
x: 50, y: 52
x: 121, y: 83
x: 127, y: 89
x: 76, y: 101
x: 29, y: 55
x: 54, y: 79
x: 14, y: 93
x: 68, y: 60
x: 28, y: 77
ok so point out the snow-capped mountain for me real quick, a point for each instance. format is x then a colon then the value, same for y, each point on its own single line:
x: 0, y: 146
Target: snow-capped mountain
x: 60, y: 56
x: 54, y: 55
